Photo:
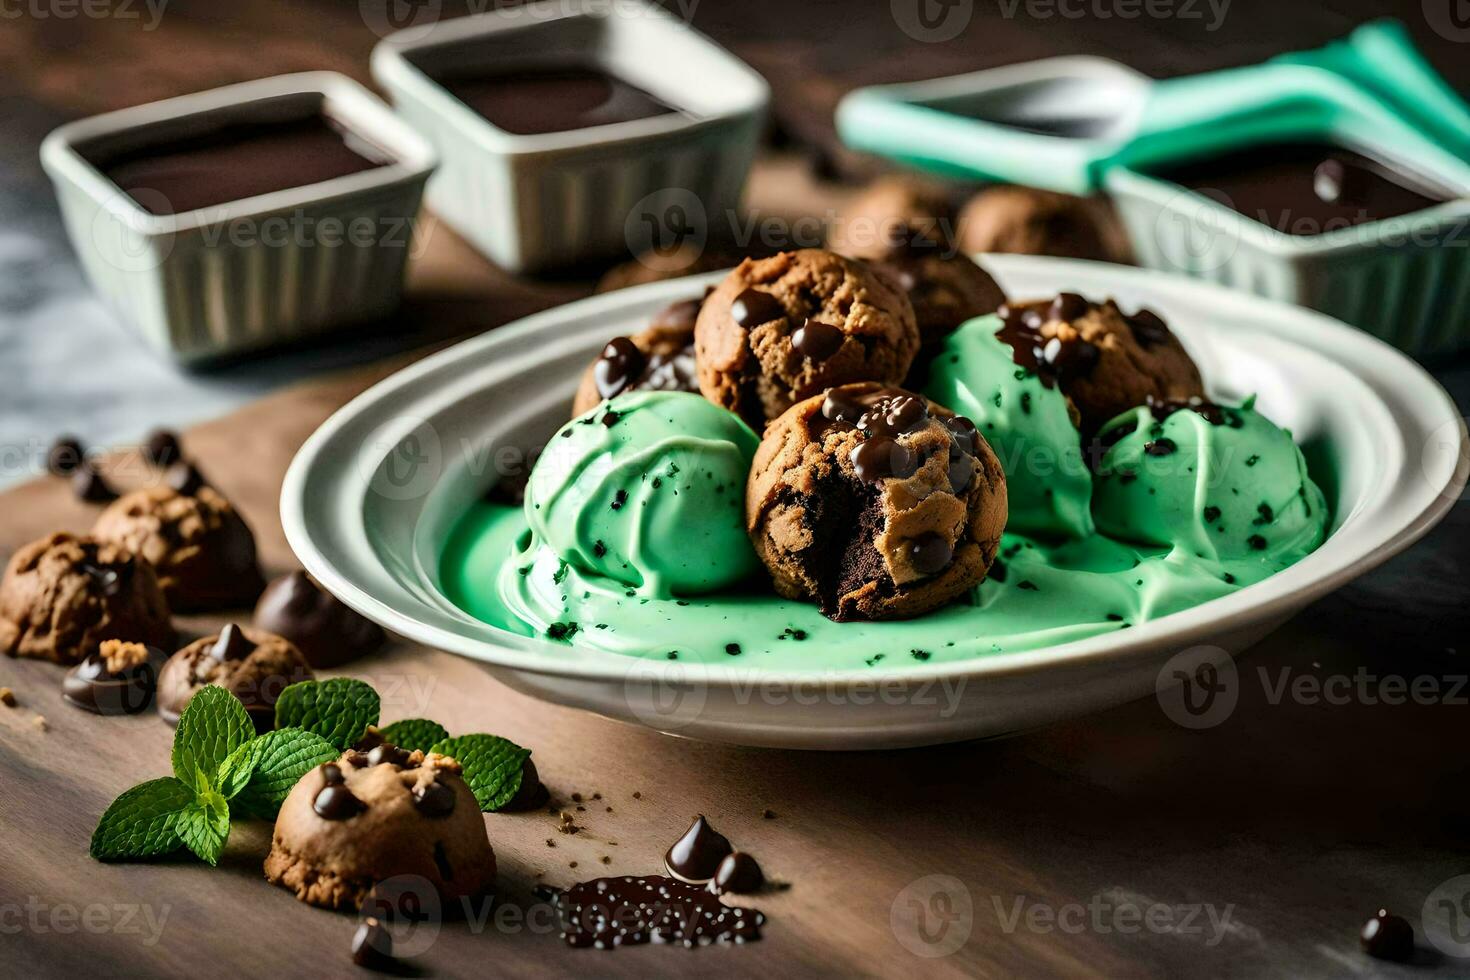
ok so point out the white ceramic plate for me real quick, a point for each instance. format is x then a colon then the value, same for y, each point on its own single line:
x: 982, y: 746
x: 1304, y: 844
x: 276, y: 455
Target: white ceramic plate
x: 368, y: 500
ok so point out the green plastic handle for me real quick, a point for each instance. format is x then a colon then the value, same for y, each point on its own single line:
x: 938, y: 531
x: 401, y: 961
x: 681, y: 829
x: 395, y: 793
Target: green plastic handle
x: 1381, y: 58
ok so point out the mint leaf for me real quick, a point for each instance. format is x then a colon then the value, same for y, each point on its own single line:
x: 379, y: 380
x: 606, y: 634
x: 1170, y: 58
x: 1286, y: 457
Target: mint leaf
x: 140, y: 822
x: 415, y: 733
x: 213, y: 725
x: 259, y: 774
x: 204, y: 825
x: 493, y: 766
x: 339, y: 710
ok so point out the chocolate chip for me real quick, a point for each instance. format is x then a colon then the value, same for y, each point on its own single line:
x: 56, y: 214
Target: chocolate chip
x: 753, y: 307
x: 336, y: 803
x: 162, y: 448
x: 372, y: 947
x: 434, y: 799
x: 930, y: 553
x: 324, y: 629
x: 232, y: 644
x: 532, y: 794
x: 184, y: 477
x: 961, y: 470
x: 387, y: 754
x: 65, y: 455
x: 619, y: 367
x: 738, y: 873
x: 90, y: 486
x: 92, y: 687
x: 894, y: 414
x: 696, y: 856
x: 107, y: 579
x: 817, y: 341
x: 1069, y: 307
x: 1388, y: 937
x: 1148, y: 328
x: 1162, y: 446
x: 966, y: 436
x: 880, y: 458
x: 332, y: 774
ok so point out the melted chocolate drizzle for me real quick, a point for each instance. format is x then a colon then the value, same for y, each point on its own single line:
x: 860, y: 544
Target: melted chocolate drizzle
x: 1054, y: 360
x: 606, y: 913
x: 92, y: 687
x: 1212, y: 413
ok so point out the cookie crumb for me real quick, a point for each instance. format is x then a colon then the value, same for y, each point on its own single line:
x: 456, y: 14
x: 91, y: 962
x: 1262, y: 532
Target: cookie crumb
x: 769, y: 814
x: 7, y: 697
x: 550, y: 842
x: 576, y: 797
x: 609, y: 809
x: 605, y: 859
x: 637, y: 795
x: 571, y: 864
x: 40, y: 722
x: 597, y: 796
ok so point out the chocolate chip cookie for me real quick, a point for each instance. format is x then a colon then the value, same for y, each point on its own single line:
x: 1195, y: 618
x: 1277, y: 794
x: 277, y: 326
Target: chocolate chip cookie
x: 1105, y: 361
x: 63, y: 595
x: 197, y: 542
x: 1028, y: 221
x: 875, y: 503
x: 782, y: 329
x: 380, y: 816
x: 660, y: 358
x: 253, y: 665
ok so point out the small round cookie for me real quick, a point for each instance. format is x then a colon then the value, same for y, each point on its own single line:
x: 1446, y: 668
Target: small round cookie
x: 1028, y: 221
x: 1106, y: 362
x: 874, y: 503
x: 660, y: 358
x: 378, y: 815
x: 889, y: 212
x: 782, y: 329
x: 944, y: 289
x: 253, y: 665
x: 199, y: 545
x: 63, y: 595
x: 324, y: 628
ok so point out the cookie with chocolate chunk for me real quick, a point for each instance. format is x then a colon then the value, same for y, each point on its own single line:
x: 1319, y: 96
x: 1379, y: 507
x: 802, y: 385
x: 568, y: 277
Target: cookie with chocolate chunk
x: 1105, y: 361
x: 782, y: 329
x: 659, y: 358
x: 200, y: 546
x: 874, y: 503
x: 384, y: 816
x: 253, y: 665
x: 63, y: 595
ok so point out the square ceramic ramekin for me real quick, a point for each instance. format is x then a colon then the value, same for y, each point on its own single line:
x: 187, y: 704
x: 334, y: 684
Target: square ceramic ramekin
x: 1405, y: 280
x: 271, y: 269
x: 555, y: 199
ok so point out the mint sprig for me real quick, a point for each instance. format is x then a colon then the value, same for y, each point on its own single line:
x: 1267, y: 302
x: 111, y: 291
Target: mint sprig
x: 217, y: 758
x: 142, y: 823
x: 339, y: 710
x: 213, y: 724
x: 412, y: 734
x: 493, y: 766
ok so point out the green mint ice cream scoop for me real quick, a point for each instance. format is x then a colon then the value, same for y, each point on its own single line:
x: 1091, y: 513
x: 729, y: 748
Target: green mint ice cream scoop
x: 1219, y: 482
x: 1027, y: 423
x: 648, y: 490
